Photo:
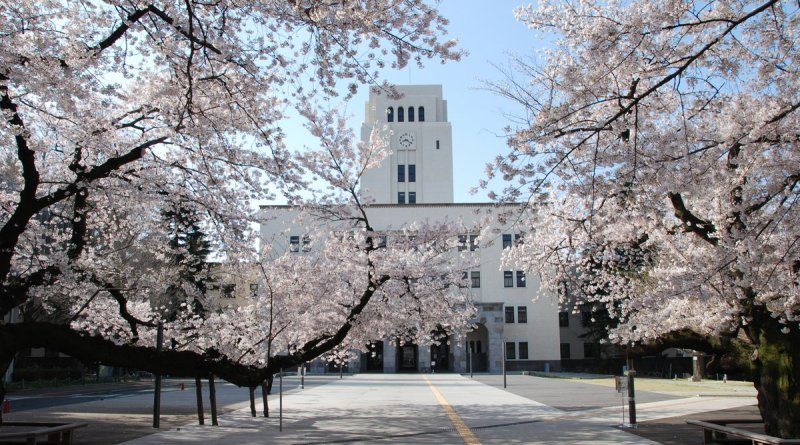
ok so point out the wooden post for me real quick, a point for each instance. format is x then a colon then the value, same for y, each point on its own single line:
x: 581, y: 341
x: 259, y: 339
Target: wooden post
x: 198, y: 385
x: 252, y: 390
x: 212, y: 395
x: 264, y: 392
x: 157, y: 391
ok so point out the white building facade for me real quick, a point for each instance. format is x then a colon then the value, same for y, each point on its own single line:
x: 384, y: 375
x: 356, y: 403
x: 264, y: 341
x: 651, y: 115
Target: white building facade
x: 415, y: 183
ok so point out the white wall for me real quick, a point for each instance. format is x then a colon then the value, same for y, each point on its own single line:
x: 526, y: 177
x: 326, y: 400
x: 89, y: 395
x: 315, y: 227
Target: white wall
x: 541, y: 331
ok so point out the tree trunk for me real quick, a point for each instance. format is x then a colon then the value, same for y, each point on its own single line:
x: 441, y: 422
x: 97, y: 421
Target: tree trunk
x: 777, y: 376
x: 6, y: 357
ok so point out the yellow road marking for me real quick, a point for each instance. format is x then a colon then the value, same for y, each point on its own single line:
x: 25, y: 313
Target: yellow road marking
x: 463, y: 430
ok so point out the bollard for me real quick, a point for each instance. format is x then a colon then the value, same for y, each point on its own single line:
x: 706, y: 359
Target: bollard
x: 183, y: 386
x: 6, y: 406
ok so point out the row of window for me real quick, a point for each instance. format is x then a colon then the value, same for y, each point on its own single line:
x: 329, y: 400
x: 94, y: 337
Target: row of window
x: 507, y: 240
x: 467, y: 242
x: 512, y: 348
x: 590, y: 350
x: 586, y: 318
x: 522, y: 314
x: 401, y: 198
x: 508, y: 278
x: 401, y: 114
x: 228, y: 290
x: 294, y: 243
x: 475, y: 279
x: 401, y: 173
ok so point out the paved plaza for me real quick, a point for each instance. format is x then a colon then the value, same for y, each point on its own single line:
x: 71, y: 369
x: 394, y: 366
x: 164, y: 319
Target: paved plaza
x: 442, y: 409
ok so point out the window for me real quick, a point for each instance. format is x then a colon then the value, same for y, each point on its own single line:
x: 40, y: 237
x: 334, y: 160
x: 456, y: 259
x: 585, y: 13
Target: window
x: 473, y: 243
x: 400, y: 114
x: 475, y: 346
x: 390, y: 114
x: 511, y: 353
x: 421, y: 113
x: 294, y: 243
x: 437, y: 144
x: 520, y: 278
x: 306, y: 243
x: 228, y: 290
x: 506, y: 241
x: 401, y: 197
x: 509, y: 314
x: 412, y: 197
x: 411, y: 114
x: 564, y: 351
x: 476, y: 278
x: 401, y: 173
x: 523, y: 350
x: 522, y: 314
x: 253, y: 289
x: 412, y: 173
x: 519, y: 239
x: 563, y: 319
x: 462, y: 243
x: 586, y: 317
x: 508, y: 278
x: 590, y: 350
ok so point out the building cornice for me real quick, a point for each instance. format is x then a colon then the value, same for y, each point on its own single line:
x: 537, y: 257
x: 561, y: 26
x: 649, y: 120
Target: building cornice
x: 409, y: 206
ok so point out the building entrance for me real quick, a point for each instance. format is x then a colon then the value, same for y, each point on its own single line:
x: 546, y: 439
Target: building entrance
x: 407, y: 358
x: 440, y: 357
x: 372, y: 360
x: 478, y: 347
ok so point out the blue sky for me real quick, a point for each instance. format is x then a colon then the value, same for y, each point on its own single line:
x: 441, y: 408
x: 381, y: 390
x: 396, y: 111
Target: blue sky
x: 489, y: 32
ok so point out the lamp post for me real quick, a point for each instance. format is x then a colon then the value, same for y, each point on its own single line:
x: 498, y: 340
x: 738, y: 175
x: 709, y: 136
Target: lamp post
x: 157, y: 390
x: 505, y: 384
x: 469, y: 352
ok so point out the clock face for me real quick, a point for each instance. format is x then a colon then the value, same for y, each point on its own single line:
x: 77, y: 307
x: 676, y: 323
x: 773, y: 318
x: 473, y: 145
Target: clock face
x: 406, y: 140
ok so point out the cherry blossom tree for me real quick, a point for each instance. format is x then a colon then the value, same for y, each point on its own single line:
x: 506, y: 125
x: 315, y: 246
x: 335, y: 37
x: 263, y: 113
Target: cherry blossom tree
x: 113, y: 110
x: 668, y: 128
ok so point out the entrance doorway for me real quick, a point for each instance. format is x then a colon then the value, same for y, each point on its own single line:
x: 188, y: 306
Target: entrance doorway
x: 372, y: 360
x: 478, y: 347
x: 407, y: 357
x: 440, y: 356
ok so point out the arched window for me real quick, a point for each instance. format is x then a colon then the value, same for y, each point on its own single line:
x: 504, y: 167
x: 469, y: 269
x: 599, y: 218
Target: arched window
x: 411, y: 114
x: 390, y: 114
x: 421, y: 114
x: 400, y: 115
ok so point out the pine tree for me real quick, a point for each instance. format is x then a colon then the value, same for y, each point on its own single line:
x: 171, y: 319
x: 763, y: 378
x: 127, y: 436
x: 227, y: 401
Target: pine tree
x: 190, y: 250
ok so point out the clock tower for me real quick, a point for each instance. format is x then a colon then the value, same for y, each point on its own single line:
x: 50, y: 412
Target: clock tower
x: 420, y: 168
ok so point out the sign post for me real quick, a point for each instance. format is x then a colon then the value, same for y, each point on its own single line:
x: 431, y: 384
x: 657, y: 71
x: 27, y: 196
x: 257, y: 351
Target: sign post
x: 157, y: 390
